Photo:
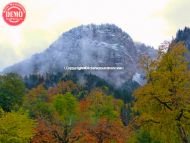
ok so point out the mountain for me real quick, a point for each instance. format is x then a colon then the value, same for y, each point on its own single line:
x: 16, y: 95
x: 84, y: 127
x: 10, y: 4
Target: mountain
x: 92, y: 45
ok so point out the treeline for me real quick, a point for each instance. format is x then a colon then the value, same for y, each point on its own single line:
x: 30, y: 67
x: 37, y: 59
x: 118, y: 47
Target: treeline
x: 63, y: 113
x: 85, y: 80
x: 59, y: 109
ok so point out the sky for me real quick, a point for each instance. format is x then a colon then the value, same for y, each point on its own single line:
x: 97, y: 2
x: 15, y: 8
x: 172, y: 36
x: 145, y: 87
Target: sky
x: 147, y: 21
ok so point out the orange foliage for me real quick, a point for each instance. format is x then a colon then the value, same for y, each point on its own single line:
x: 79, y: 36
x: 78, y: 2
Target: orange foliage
x: 43, y: 133
x: 37, y: 93
x: 63, y: 87
x: 105, y: 131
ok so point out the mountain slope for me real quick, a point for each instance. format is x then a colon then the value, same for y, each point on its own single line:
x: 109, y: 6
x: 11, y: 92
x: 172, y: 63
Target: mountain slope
x: 91, y: 45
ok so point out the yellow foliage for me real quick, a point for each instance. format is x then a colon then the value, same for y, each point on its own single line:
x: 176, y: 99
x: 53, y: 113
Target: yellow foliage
x: 163, y: 103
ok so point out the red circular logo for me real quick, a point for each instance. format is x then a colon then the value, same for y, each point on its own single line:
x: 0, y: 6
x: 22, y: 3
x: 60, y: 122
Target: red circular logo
x: 14, y: 13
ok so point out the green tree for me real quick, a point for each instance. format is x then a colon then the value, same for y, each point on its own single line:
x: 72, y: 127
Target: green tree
x: 58, y: 112
x: 99, y: 105
x: 37, y: 102
x: 16, y: 127
x: 164, y: 102
x: 12, y: 90
x: 65, y: 116
x: 66, y: 106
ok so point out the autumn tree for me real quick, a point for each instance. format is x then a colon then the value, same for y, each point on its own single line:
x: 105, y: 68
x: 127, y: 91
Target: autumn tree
x: 56, y: 119
x: 16, y: 127
x: 44, y: 133
x: 163, y: 104
x: 104, y: 131
x: 37, y: 102
x: 99, y: 105
x: 100, y: 120
x: 63, y: 87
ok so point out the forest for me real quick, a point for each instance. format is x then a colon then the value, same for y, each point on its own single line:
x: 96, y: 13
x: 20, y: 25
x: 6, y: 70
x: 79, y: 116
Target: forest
x: 56, y: 108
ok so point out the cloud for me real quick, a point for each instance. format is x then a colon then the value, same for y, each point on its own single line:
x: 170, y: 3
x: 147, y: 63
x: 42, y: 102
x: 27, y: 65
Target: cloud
x: 8, y: 55
x: 177, y: 14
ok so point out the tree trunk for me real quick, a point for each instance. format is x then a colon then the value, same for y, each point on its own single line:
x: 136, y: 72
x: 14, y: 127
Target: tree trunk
x: 183, y: 134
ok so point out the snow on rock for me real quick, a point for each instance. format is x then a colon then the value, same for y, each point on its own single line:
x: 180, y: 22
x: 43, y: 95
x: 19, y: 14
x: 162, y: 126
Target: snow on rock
x: 139, y: 79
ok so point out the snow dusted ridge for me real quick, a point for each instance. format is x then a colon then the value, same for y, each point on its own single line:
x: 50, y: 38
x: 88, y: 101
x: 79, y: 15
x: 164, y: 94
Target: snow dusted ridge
x: 91, y: 45
x: 140, y: 79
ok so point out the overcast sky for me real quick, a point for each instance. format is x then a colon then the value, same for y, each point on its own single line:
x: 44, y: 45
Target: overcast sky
x: 147, y: 21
